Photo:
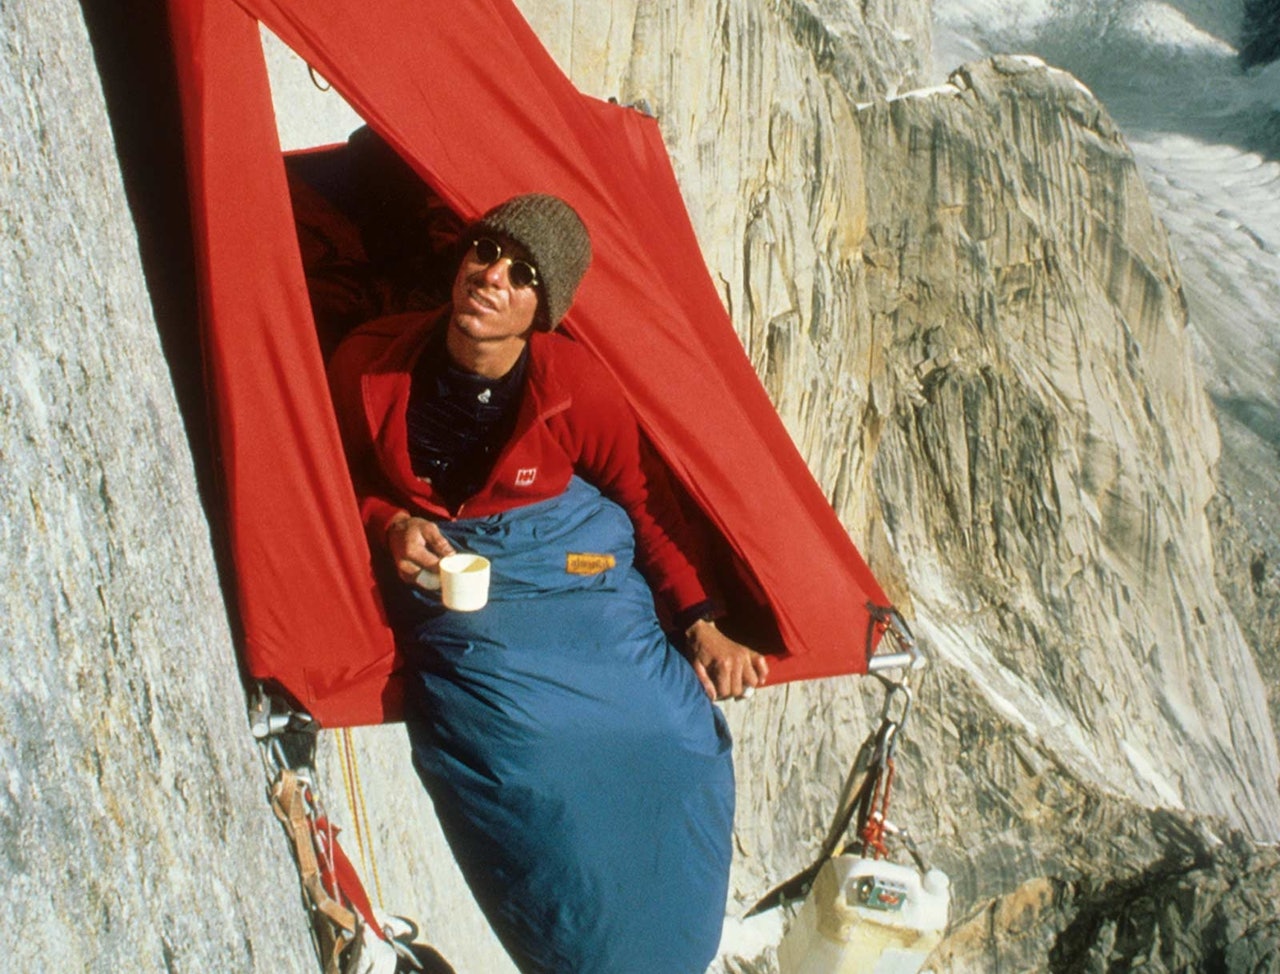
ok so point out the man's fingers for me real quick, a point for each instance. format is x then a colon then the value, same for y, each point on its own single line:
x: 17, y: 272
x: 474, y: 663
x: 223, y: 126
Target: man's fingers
x: 728, y: 679
x: 435, y: 542
x: 742, y: 677
x: 733, y: 678
x: 408, y: 569
x: 759, y: 666
x: 708, y: 687
x: 418, y: 545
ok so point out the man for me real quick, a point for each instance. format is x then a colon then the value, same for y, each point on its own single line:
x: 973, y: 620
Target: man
x: 578, y: 769
x: 490, y: 325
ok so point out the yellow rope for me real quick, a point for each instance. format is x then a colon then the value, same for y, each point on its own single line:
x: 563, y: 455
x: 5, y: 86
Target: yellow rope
x: 359, y: 812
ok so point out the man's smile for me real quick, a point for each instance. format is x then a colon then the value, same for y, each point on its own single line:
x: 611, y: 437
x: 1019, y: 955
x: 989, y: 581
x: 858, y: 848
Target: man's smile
x: 481, y: 298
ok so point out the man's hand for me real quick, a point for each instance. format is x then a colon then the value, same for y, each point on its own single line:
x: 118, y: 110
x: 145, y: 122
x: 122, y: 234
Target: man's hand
x: 724, y: 667
x: 416, y: 543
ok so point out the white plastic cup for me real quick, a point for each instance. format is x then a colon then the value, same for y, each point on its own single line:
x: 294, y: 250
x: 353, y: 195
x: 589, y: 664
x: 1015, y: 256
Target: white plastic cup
x: 464, y: 582
x: 427, y: 579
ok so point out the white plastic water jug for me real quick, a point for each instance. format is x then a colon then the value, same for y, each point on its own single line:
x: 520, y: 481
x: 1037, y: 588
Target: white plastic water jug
x: 867, y: 916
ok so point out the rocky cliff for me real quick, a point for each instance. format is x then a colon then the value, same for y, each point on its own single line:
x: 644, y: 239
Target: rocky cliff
x: 974, y: 328
x: 133, y: 831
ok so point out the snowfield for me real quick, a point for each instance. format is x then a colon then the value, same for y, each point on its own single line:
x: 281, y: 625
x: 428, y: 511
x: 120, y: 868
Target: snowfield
x: 1206, y: 134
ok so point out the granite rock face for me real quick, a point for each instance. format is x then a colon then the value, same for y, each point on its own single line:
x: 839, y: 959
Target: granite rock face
x: 1202, y: 903
x: 134, y: 835
x: 1048, y: 451
x: 974, y: 329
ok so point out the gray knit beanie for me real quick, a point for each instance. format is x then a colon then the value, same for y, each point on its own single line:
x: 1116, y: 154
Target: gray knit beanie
x: 556, y: 240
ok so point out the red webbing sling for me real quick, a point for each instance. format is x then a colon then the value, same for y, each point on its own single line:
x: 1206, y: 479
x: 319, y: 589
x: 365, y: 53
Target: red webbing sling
x: 467, y: 93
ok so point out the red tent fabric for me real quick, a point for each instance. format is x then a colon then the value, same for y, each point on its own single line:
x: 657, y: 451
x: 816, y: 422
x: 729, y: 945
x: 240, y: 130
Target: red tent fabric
x: 468, y: 95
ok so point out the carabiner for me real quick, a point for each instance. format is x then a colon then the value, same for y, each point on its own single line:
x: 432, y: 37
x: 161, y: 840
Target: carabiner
x: 897, y: 692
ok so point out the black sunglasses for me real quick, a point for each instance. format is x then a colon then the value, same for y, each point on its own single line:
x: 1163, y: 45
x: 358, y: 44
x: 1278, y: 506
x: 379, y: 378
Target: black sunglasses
x: 520, y: 272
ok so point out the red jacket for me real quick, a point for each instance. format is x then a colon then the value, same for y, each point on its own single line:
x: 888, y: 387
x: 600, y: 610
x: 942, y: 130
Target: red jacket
x: 572, y: 419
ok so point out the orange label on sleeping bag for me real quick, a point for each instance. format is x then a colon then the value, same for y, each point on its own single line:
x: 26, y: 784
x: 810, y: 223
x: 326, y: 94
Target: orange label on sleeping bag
x: 581, y: 563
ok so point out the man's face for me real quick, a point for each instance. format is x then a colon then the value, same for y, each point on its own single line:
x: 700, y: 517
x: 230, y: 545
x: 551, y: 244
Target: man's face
x: 487, y: 306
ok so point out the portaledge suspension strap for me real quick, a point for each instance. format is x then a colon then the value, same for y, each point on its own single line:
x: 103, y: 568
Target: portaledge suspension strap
x: 335, y: 898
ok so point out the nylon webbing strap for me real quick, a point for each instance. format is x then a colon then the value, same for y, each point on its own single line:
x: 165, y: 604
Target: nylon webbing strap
x: 288, y: 800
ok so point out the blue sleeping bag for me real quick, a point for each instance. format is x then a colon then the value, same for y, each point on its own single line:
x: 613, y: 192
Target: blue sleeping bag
x: 581, y: 775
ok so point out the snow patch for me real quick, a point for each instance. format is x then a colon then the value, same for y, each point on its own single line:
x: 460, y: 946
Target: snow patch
x: 1002, y: 16
x: 1162, y: 24
x: 918, y: 93
x: 1031, y: 61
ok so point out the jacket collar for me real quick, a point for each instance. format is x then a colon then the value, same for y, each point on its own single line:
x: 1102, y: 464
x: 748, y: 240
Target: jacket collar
x: 387, y: 375
x: 401, y: 355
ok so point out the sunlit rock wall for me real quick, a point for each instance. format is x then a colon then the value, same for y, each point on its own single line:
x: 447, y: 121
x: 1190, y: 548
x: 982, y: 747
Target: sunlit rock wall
x: 971, y: 325
x: 134, y: 835
x: 1046, y: 468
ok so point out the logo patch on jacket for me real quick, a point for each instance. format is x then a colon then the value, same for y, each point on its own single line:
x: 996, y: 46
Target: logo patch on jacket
x: 584, y: 563
x: 525, y: 476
